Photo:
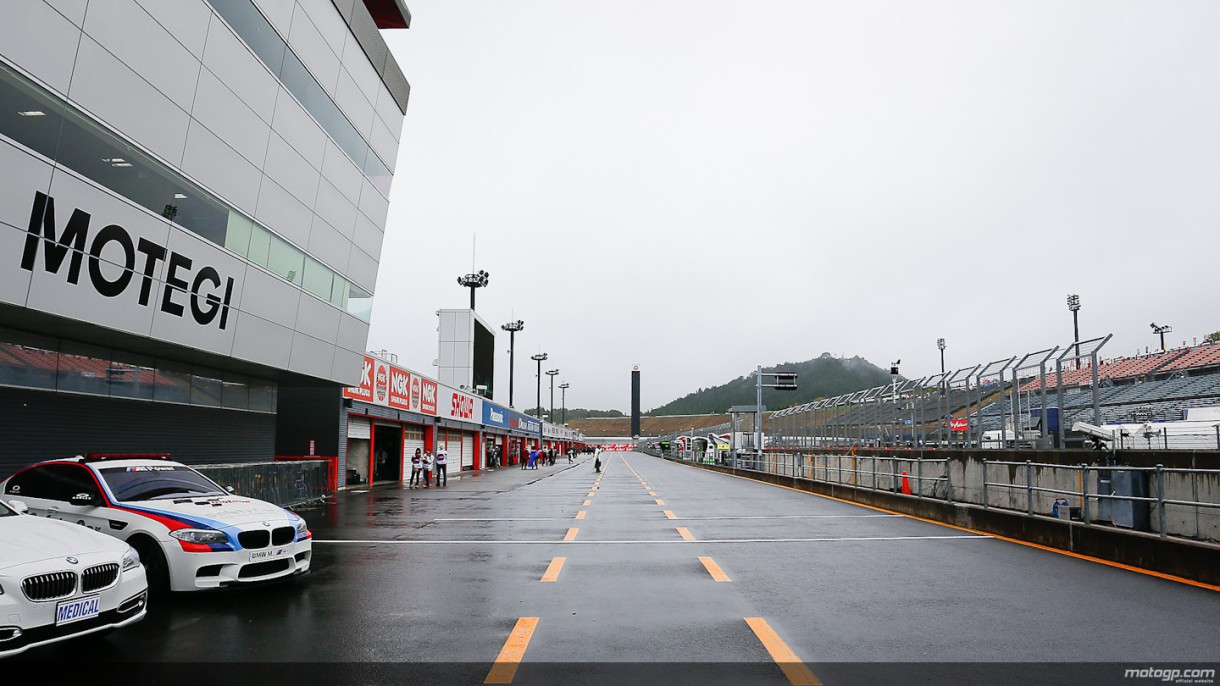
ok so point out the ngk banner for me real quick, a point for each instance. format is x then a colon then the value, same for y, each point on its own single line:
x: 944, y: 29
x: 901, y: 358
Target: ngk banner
x: 382, y: 383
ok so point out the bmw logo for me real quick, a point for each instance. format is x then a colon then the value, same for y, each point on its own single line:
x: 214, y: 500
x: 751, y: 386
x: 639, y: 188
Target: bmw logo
x: 72, y: 560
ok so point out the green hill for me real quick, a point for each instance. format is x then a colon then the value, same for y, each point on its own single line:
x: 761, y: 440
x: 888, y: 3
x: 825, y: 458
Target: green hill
x: 822, y: 377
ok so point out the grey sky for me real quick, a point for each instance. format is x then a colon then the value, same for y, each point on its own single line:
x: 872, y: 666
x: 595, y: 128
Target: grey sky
x: 699, y: 187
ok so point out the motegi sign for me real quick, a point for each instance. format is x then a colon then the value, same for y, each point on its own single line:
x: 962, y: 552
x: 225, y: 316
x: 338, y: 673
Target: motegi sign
x: 201, y: 289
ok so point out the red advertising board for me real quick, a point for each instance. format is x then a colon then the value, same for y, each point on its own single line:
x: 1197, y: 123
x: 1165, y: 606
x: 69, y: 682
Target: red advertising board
x: 400, y: 389
x: 427, y: 396
x: 365, y: 390
x: 959, y: 424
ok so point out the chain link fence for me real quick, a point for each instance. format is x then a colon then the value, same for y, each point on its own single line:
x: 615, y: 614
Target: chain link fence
x: 287, y: 484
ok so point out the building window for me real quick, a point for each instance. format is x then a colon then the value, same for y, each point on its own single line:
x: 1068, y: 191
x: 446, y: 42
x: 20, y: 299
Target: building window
x: 44, y: 123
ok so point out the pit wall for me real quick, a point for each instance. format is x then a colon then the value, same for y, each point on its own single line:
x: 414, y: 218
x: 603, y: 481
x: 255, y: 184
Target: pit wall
x: 958, y: 499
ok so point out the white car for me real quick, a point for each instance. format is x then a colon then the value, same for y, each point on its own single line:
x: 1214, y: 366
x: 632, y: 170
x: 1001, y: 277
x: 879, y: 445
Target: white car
x: 58, y: 581
x: 191, y: 534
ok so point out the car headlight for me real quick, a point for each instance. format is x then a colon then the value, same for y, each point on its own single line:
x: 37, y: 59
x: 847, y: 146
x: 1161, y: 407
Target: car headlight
x: 301, y: 527
x: 131, y: 559
x: 200, y: 536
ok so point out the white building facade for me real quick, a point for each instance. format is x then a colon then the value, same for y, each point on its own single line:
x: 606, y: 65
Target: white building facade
x: 194, y: 198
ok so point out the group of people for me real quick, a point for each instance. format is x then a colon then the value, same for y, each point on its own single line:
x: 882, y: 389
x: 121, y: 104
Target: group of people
x: 423, y: 464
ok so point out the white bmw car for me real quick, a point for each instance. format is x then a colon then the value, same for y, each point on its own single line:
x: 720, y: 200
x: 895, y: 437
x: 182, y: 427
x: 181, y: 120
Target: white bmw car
x: 190, y: 533
x: 58, y: 581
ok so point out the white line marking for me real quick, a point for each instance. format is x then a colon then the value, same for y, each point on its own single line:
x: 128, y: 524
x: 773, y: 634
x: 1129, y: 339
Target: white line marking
x: 494, y: 519
x: 868, y: 516
x: 669, y: 541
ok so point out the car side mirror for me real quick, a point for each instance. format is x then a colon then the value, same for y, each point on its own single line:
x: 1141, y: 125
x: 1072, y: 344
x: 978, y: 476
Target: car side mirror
x: 230, y: 489
x: 83, y: 499
x: 18, y: 507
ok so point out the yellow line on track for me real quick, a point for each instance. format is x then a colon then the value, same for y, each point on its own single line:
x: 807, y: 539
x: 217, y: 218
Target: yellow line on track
x: 571, y: 535
x: 505, y: 667
x: 792, y: 667
x: 552, y: 570
x: 1098, y: 560
x: 652, y: 493
x: 669, y: 514
x: 660, y: 502
x: 580, y: 515
x: 713, y: 569
x: 588, y: 503
x: 686, y: 535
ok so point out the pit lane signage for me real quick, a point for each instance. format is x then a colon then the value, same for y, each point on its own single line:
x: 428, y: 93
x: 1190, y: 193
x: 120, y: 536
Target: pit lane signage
x: 129, y: 265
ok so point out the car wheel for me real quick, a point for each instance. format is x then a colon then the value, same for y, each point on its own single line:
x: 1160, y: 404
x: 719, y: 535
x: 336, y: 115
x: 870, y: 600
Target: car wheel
x: 155, y: 566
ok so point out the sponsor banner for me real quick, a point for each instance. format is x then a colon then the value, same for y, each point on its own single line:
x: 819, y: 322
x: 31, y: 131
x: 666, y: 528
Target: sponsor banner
x: 461, y: 406
x: 365, y: 390
x: 959, y: 424
x: 494, y: 415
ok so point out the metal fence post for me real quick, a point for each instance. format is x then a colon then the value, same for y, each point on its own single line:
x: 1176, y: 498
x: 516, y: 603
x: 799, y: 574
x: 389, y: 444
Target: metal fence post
x: 1084, y: 493
x: 984, y: 483
x: 1029, y: 487
x: 875, y: 470
x: 894, y: 474
x: 919, y: 478
x: 1160, y: 495
x: 948, y: 482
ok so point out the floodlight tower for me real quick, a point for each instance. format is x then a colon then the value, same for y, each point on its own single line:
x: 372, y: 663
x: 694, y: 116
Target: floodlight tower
x: 539, y: 358
x: 1161, y: 331
x: 563, y: 399
x: 551, y: 373
x: 474, y: 281
x: 512, y: 328
x: 1074, y: 306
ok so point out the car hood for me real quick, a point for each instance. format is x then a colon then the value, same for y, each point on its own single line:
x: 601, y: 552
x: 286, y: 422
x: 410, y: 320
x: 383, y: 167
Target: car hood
x: 27, y: 538
x: 226, y: 510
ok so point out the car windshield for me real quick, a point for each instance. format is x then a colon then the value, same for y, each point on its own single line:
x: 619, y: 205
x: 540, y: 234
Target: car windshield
x: 5, y: 510
x: 157, y: 481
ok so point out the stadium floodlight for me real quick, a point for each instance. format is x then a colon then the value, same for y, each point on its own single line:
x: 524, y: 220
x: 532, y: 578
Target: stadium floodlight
x: 512, y: 328
x: 1074, y: 307
x: 563, y: 401
x: 474, y: 281
x: 1161, y: 331
x: 551, y: 373
x: 539, y: 358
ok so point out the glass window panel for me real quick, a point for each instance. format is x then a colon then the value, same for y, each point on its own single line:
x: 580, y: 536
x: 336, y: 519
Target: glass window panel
x: 82, y: 369
x: 338, y: 292
x: 260, y: 246
x: 28, y: 115
x: 254, y: 29
x: 359, y: 303
x: 27, y: 361
x: 285, y: 260
x: 262, y: 395
x: 206, y: 389
x: 236, y: 393
x: 237, y: 235
x: 132, y: 376
x: 173, y: 383
x: 317, y: 278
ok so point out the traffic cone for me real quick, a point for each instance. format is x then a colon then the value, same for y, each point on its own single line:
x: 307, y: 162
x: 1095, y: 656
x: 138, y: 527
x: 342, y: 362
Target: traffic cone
x: 906, y: 485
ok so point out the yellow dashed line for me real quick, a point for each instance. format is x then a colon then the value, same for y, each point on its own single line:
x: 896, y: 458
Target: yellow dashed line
x: 588, y: 502
x: 792, y: 667
x: 712, y: 568
x: 669, y: 514
x: 686, y: 535
x: 505, y: 667
x: 660, y: 502
x: 652, y: 493
x: 580, y: 515
x: 571, y: 535
x: 552, y: 571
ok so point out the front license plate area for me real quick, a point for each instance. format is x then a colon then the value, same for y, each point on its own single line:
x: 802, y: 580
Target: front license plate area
x: 269, y: 554
x: 75, y: 610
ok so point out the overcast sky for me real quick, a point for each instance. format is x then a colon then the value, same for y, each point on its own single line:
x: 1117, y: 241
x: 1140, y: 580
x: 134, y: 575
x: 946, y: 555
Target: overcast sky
x: 700, y: 187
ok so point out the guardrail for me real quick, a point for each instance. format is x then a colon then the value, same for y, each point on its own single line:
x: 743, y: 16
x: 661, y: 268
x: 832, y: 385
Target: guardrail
x: 287, y: 484
x: 1159, y: 474
x: 1169, y: 501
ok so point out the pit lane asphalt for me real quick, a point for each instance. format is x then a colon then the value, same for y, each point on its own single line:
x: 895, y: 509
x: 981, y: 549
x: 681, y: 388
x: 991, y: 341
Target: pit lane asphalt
x: 442, y: 575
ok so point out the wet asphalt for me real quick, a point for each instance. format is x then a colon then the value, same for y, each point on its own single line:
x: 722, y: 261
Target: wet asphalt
x: 413, y: 585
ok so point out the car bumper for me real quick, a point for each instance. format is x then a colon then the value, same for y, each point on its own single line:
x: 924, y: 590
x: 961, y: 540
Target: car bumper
x: 200, y: 571
x: 25, y: 624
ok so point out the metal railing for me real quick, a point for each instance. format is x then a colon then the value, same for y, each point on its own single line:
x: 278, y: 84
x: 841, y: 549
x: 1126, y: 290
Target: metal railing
x: 1156, y: 495
x: 287, y: 484
x: 1088, y: 514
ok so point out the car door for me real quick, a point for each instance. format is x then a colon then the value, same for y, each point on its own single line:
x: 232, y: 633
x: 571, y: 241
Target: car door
x: 49, y: 491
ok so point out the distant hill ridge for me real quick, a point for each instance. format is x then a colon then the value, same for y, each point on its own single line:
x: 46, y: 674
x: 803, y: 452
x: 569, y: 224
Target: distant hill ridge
x: 822, y: 377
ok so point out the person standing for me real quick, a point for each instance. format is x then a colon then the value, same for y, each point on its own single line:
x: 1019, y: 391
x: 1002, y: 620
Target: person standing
x: 533, y: 458
x: 427, y: 470
x: 442, y: 461
x: 417, y: 466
